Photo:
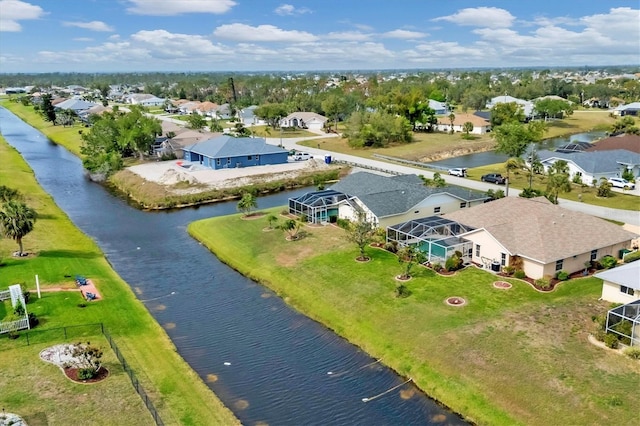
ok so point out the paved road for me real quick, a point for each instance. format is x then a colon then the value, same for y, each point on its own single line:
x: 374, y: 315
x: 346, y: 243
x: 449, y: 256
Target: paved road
x: 626, y: 216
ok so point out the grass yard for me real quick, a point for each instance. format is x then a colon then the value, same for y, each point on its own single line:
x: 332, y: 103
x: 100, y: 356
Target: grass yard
x: 61, y: 249
x: 507, y: 357
x: 43, y: 395
x: 268, y: 132
x: 520, y: 180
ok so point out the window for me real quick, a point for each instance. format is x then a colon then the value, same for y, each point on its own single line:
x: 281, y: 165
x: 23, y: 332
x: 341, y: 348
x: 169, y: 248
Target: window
x: 477, y: 250
x: 594, y: 254
x: 559, y: 264
x: 463, y: 204
x: 228, y: 160
x: 217, y: 161
x: 626, y: 290
x: 249, y: 157
x: 436, y: 209
x: 503, y: 259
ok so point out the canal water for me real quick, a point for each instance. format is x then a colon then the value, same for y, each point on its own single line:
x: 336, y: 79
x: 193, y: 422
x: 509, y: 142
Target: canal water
x: 491, y: 157
x: 269, y: 362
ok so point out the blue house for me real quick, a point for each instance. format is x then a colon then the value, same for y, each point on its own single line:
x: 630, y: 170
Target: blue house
x: 227, y: 151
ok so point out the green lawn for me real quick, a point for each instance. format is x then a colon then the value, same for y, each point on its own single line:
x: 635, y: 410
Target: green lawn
x: 520, y: 180
x: 507, y: 357
x: 61, y: 250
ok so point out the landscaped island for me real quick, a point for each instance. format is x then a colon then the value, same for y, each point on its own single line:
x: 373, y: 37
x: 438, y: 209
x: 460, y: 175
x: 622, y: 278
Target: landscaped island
x: 504, y: 357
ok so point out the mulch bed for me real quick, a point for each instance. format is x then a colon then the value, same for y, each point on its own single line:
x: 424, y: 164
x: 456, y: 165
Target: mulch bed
x: 455, y: 301
x: 503, y: 285
x: 72, y: 373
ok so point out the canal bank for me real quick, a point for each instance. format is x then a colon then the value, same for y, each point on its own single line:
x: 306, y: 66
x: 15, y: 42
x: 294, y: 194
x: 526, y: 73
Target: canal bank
x: 267, y: 362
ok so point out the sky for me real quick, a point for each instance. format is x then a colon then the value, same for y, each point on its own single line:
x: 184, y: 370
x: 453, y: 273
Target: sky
x: 313, y: 35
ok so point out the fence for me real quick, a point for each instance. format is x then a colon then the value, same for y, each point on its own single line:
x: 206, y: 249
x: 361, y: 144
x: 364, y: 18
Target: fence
x: 9, y: 326
x: 84, y: 330
x: 4, y: 295
x: 412, y: 163
x: 365, y: 166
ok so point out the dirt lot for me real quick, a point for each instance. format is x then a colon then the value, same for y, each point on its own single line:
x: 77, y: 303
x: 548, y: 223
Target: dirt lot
x: 200, y: 178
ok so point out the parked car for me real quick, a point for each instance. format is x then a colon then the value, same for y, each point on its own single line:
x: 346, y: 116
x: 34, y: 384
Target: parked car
x: 621, y: 183
x: 301, y: 156
x: 493, y: 178
x: 458, y: 171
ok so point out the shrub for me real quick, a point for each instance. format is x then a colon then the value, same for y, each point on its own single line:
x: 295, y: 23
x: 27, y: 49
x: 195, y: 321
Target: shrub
x: 391, y: 246
x: 86, y: 373
x: 402, y: 291
x: 600, y: 335
x: 632, y: 257
x: 436, y: 267
x: 608, y: 262
x: 562, y: 275
x: 453, y: 263
x: 633, y: 353
x: 624, y: 327
x: 343, y: 223
x: 519, y: 274
x: 544, y: 282
x: 33, y: 320
x: 611, y: 341
x: 509, y: 270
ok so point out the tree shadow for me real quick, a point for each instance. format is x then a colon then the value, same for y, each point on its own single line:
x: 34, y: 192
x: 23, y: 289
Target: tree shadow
x: 68, y: 254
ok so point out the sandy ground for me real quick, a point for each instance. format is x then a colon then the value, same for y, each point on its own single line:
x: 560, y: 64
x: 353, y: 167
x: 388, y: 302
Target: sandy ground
x: 175, y: 171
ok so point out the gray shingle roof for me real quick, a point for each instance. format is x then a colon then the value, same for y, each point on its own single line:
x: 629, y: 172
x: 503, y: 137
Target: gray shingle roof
x: 388, y: 196
x: 228, y: 146
x: 595, y: 161
x: 539, y: 230
x: 627, y: 275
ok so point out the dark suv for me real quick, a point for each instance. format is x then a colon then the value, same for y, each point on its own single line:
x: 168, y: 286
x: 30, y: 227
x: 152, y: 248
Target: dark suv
x: 493, y: 178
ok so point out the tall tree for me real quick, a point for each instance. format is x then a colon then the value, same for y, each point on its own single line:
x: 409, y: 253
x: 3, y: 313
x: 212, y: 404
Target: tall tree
x: 513, y: 137
x: 507, y: 112
x: 360, y: 232
x: 333, y: 106
x: 558, y: 180
x: 17, y: 220
x: 47, y: 108
x: 196, y: 121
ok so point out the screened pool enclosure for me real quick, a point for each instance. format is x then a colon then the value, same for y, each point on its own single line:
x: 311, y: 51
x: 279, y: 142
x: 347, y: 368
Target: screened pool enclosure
x: 624, y: 321
x: 438, y: 238
x: 319, y: 206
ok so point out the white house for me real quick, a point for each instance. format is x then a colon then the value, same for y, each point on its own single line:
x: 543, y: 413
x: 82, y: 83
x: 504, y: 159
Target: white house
x: 629, y: 109
x: 440, y: 108
x: 480, y: 125
x: 304, y: 120
x: 621, y: 284
x: 594, y: 165
x: 527, y: 106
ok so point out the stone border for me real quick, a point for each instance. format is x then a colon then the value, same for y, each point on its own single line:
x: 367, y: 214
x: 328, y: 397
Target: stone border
x: 502, y: 285
x: 455, y: 301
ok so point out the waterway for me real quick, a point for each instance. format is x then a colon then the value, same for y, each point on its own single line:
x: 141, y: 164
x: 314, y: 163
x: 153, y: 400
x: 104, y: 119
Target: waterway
x: 270, y: 363
x: 491, y: 157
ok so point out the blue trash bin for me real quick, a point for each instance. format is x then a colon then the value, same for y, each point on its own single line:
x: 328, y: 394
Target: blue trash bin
x: 327, y: 159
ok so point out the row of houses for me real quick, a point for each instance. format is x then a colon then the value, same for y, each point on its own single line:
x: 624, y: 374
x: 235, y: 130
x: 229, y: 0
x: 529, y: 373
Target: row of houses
x: 539, y: 237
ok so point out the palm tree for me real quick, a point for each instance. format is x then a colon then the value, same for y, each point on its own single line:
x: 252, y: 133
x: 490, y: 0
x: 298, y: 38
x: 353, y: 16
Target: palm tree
x: 467, y: 127
x: 247, y: 203
x: 17, y: 220
x: 558, y: 180
x: 452, y: 118
x: 513, y: 163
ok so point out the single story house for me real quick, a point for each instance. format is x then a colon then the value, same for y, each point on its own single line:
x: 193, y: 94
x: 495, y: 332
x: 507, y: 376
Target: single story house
x: 383, y: 200
x: 537, y: 236
x: 590, y: 165
x: 624, y: 141
x: 440, y: 108
x: 226, y: 151
x: 248, y: 117
x: 480, y: 125
x: 182, y: 138
x: 75, y: 105
x: 621, y: 284
x: 526, y: 106
x: 629, y: 109
x: 304, y: 120
x: 221, y: 112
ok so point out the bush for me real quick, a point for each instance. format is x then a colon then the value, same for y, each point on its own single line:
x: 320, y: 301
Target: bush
x: 562, y: 275
x: 608, y: 262
x: 86, y: 373
x: 544, y: 282
x: 453, y: 263
x: 343, y: 223
x: 391, y: 246
x: 624, y: 327
x: 519, y: 274
x: 402, y: 291
x: 509, y: 270
x: 600, y: 335
x: 632, y: 257
x: 436, y: 267
x: 33, y: 320
x: 633, y: 353
x: 611, y: 341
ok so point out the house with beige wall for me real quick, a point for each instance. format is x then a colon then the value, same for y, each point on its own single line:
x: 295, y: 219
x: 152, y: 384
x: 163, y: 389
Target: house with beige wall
x: 384, y: 200
x: 541, y: 237
x: 621, y: 284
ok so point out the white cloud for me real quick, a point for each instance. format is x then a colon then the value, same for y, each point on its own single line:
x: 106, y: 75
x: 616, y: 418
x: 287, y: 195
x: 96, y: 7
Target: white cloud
x: 163, y: 43
x: 262, y: 33
x: 491, y: 17
x: 93, y: 25
x: 620, y: 23
x: 288, y: 9
x: 14, y: 11
x: 404, y: 34
x: 179, y: 7
x: 348, y: 36
x: 83, y: 39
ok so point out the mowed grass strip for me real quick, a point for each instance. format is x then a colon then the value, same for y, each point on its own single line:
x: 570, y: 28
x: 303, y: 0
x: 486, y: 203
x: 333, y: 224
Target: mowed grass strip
x: 41, y: 393
x: 60, y: 252
x: 507, y: 357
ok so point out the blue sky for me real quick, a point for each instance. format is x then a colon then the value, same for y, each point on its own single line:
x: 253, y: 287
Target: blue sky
x: 265, y: 35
